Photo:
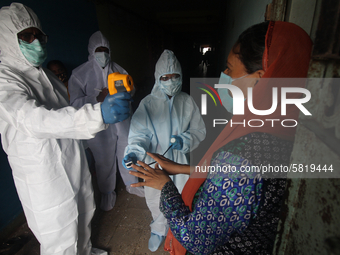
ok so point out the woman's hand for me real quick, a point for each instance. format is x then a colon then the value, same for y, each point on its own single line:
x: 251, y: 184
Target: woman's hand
x: 154, y: 178
x: 169, y: 166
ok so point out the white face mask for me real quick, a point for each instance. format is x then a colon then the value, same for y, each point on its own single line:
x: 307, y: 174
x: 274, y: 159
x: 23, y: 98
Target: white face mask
x: 35, y: 52
x: 102, y: 58
x: 171, y: 86
x: 226, y: 99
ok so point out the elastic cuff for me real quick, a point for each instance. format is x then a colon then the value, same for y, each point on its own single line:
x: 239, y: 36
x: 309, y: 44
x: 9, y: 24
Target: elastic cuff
x: 169, y: 190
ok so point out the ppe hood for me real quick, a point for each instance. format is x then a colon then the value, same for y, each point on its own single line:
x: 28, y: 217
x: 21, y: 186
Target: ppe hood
x: 97, y: 40
x: 14, y: 19
x: 166, y: 64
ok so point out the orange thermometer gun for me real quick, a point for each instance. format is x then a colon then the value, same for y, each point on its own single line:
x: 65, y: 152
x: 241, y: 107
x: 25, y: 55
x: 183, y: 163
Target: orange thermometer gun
x: 118, y: 82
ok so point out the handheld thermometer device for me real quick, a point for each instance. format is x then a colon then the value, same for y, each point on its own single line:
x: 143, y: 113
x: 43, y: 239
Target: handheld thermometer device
x: 118, y: 82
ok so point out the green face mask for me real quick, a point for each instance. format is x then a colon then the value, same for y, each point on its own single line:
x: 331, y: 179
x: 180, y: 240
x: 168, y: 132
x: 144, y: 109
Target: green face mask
x: 34, y: 52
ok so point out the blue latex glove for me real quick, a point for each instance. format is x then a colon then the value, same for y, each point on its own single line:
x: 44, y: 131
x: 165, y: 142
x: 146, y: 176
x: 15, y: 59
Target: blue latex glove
x: 177, y: 142
x: 128, y: 160
x: 116, y: 108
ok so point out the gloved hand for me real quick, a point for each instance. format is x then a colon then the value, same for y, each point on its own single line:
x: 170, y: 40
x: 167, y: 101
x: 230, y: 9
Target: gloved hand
x: 177, y: 142
x: 116, y: 108
x: 129, y: 159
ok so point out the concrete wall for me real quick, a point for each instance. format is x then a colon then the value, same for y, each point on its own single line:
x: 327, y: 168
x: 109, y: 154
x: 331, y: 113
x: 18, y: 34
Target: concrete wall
x: 9, y: 202
x: 240, y: 14
x: 128, y: 35
x: 311, y: 211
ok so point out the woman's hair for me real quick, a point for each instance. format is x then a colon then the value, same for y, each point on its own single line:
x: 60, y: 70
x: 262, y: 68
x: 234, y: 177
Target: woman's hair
x: 250, y: 46
x: 55, y: 62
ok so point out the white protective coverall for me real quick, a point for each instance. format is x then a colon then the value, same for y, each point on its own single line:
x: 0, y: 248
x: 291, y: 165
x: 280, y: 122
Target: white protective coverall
x: 38, y: 129
x: 155, y: 120
x: 108, y: 146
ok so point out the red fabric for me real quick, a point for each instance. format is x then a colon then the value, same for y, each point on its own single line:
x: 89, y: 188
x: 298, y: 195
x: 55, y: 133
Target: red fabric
x: 287, y: 55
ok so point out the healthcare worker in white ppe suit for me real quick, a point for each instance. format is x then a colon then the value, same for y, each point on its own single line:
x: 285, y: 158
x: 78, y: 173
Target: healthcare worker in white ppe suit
x: 40, y: 133
x: 164, y: 114
x: 88, y: 84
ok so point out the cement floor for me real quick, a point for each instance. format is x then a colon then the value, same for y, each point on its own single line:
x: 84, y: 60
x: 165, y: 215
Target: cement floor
x: 125, y: 229
x: 122, y: 231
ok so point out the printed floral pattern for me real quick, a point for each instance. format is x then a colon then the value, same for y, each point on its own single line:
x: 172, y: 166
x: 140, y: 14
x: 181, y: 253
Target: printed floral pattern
x: 233, y: 212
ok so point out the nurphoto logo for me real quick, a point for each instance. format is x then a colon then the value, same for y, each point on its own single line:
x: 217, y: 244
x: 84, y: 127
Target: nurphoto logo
x: 239, y: 103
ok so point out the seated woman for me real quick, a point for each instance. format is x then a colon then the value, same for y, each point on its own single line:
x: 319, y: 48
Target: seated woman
x: 237, y: 213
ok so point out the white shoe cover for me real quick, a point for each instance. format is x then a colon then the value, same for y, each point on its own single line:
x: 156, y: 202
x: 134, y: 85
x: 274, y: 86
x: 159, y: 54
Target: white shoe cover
x: 155, y: 241
x: 96, y: 251
x: 108, y: 201
x: 138, y: 191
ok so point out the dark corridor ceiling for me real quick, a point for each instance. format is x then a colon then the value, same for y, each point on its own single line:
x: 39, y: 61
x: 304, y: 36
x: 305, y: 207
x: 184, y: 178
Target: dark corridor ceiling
x: 199, y: 20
